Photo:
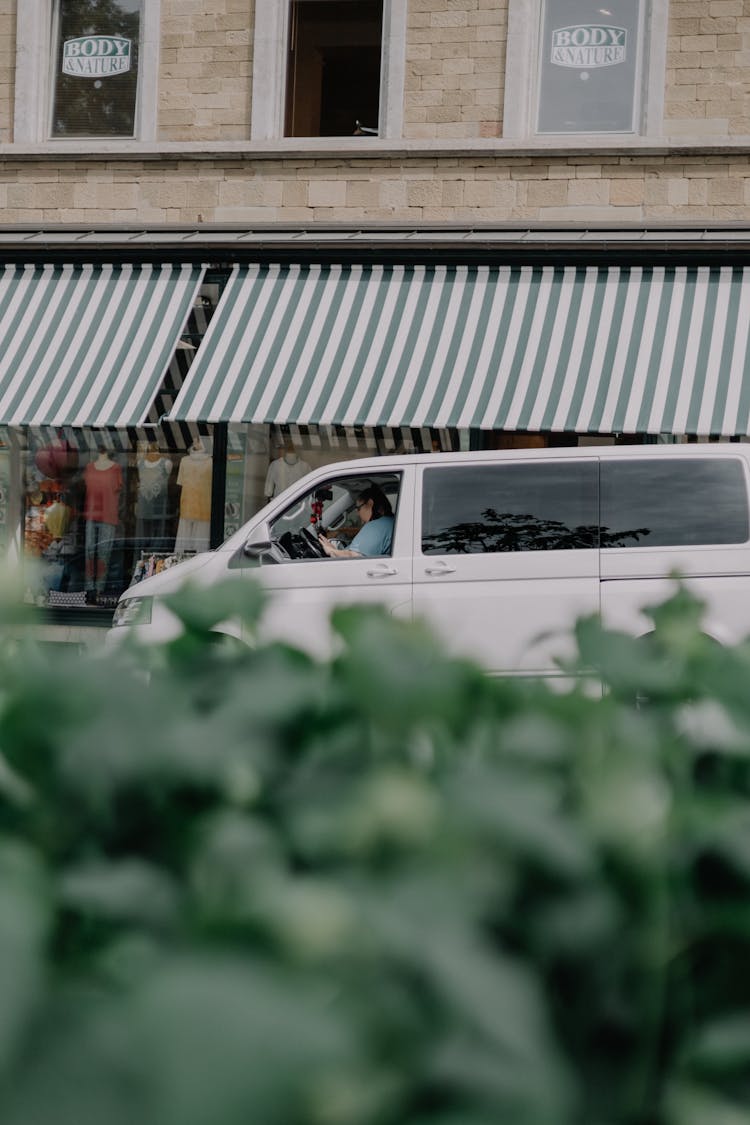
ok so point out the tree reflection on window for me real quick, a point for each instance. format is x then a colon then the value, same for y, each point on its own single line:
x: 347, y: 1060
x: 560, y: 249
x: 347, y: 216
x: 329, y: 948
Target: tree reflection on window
x: 502, y: 532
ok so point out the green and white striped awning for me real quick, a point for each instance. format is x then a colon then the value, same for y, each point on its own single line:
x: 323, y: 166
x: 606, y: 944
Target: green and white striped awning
x: 88, y: 345
x: 599, y: 350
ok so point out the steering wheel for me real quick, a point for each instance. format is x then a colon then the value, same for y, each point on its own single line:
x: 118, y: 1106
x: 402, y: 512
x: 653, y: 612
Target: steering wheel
x: 309, y: 538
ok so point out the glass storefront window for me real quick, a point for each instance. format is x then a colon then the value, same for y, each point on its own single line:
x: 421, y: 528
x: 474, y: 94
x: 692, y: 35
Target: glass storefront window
x: 4, y: 492
x: 589, y: 66
x: 95, y: 68
x: 100, y: 513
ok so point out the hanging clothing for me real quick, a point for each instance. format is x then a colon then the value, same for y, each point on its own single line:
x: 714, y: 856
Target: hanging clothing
x: 152, y: 514
x: 102, y: 493
x: 153, y: 494
x: 194, y: 478
x: 282, y: 472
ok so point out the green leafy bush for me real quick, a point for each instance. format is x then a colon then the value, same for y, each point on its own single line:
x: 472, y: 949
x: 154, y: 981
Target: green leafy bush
x: 383, y: 890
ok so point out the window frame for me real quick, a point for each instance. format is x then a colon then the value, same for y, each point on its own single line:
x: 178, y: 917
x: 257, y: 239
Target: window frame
x: 269, y: 71
x: 34, y: 85
x: 522, y: 75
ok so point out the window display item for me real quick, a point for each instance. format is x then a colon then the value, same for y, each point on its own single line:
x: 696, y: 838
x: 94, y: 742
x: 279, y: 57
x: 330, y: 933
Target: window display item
x: 152, y: 508
x: 57, y: 460
x: 285, y: 470
x: 194, y: 478
x: 103, y: 480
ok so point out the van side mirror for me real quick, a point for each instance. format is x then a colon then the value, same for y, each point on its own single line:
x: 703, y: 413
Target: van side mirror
x: 258, y: 542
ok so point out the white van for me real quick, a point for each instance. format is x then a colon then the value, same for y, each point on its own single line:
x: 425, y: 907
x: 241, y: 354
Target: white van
x: 499, y: 551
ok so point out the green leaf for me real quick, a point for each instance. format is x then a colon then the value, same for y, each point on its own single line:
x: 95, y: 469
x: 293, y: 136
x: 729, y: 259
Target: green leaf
x: 201, y: 608
x: 25, y: 919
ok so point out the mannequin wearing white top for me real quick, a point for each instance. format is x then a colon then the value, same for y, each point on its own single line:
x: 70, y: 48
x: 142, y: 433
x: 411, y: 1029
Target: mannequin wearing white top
x: 284, y: 471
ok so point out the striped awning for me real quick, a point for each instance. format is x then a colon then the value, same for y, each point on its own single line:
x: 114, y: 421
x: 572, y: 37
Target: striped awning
x: 88, y: 345
x: 586, y: 349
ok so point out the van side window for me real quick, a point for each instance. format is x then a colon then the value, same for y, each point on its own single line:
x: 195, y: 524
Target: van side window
x: 680, y: 502
x: 480, y: 509
x: 333, y: 507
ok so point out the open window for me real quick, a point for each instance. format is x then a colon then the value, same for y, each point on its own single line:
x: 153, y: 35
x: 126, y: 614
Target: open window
x: 331, y: 508
x: 334, y: 68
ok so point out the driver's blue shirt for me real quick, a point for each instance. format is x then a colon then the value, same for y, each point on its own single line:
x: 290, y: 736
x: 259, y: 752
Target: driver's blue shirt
x: 374, y: 537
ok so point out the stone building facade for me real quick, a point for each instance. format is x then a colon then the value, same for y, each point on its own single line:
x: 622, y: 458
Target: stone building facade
x: 449, y: 157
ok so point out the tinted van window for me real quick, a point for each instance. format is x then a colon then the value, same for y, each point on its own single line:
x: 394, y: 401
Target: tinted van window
x: 674, y: 503
x: 479, y: 509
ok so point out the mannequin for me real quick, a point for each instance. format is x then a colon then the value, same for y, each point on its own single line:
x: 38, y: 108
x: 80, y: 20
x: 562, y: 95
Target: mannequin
x: 152, y: 502
x: 286, y: 470
x: 103, y: 481
x: 194, y: 478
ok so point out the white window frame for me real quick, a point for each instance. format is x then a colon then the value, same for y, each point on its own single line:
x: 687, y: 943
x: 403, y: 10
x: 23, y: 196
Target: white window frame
x: 34, y: 80
x: 522, y: 73
x: 269, y: 70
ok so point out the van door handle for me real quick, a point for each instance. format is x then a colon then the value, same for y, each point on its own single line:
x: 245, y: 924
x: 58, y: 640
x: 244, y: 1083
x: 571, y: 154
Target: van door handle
x: 442, y: 568
x: 383, y: 571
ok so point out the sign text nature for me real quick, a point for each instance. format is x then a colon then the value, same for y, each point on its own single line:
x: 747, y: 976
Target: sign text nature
x: 96, y: 56
x: 588, y: 46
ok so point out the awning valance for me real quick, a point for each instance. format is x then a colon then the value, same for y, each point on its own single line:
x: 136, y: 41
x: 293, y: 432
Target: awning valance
x: 586, y: 349
x: 88, y: 345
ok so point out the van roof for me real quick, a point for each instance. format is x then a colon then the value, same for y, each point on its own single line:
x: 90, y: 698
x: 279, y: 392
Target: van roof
x: 683, y: 449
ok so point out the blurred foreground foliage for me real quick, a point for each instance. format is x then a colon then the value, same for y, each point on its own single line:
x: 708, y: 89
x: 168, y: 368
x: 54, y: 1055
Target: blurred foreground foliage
x: 382, y: 890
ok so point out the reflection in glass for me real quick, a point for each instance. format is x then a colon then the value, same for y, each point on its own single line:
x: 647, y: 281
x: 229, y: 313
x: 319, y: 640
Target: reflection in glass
x: 498, y: 508
x: 683, y: 502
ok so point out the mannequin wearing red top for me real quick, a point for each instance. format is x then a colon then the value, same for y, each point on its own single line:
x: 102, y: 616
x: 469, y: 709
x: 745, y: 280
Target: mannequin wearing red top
x: 103, y: 480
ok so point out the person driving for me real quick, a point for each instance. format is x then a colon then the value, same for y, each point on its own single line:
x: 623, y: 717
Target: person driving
x: 375, y: 536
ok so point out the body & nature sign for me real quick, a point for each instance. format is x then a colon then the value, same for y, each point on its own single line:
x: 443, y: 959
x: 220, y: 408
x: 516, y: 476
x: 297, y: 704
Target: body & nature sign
x: 96, y: 56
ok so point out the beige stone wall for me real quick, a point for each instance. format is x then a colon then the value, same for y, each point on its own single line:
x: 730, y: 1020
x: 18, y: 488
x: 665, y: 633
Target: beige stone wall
x: 414, y: 189
x: 707, y: 92
x: 205, y: 71
x: 7, y: 67
x: 455, y: 60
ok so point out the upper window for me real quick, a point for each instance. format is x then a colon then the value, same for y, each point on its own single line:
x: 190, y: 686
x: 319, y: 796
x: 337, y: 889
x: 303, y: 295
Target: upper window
x: 333, y: 70
x: 328, y: 68
x: 589, y: 66
x: 95, y: 87
x: 674, y: 503
x: 481, y: 509
x: 86, y: 69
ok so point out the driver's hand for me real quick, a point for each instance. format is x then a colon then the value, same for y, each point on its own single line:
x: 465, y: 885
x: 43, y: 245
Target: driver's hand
x: 322, y: 539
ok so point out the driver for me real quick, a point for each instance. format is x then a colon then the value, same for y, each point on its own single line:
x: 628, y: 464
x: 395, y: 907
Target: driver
x: 375, y: 536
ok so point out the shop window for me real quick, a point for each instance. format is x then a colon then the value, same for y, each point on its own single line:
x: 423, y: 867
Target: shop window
x: 4, y: 491
x: 585, y: 67
x: 86, y: 68
x: 101, y: 514
x: 333, y: 71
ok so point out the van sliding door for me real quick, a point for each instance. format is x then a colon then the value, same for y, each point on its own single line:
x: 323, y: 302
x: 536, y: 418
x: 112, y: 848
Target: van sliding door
x: 507, y: 557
